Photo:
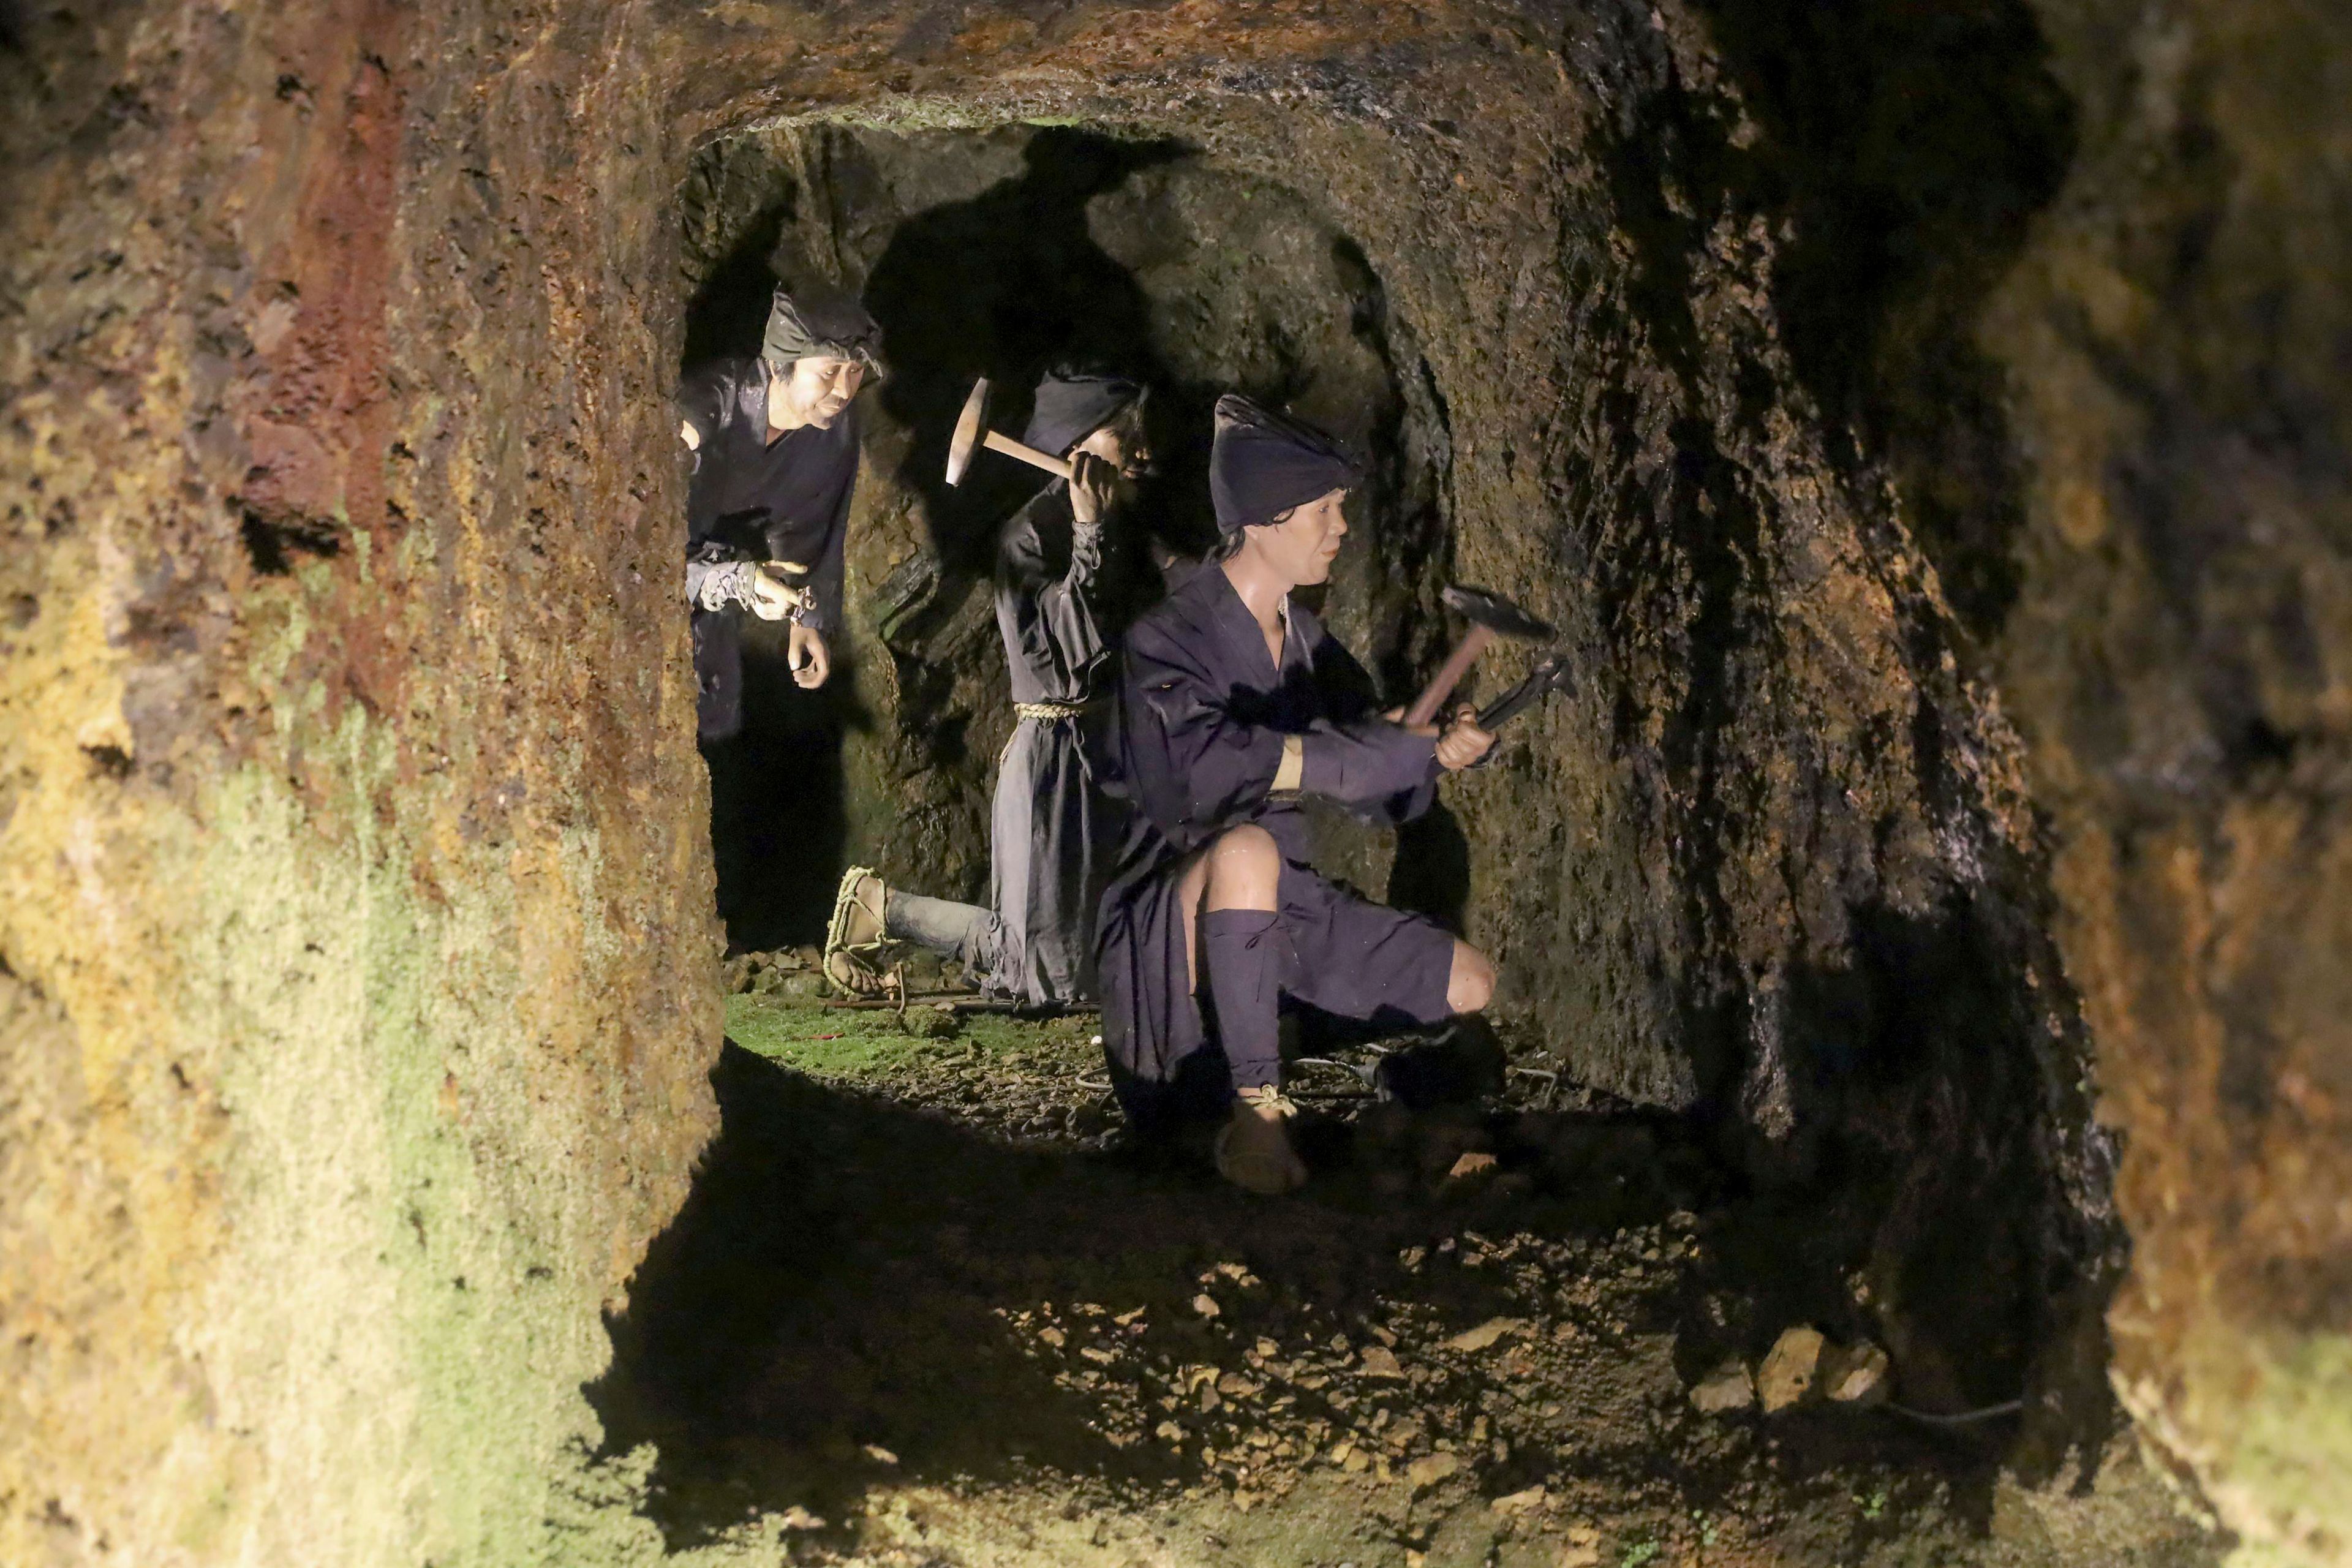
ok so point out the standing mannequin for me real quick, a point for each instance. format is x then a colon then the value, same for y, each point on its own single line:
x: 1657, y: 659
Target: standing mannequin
x: 775, y: 438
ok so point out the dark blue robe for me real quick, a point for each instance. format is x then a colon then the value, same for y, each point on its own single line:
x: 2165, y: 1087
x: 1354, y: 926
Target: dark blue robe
x: 754, y: 499
x: 1202, y: 713
x: 1052, y: 832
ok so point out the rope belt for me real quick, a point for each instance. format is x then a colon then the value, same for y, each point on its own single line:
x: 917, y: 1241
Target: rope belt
x: 1050, y: 710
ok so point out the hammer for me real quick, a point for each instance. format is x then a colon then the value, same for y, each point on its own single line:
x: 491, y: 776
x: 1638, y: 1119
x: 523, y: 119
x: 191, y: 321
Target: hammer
x: 1490, y: 616
x: 972, y: 433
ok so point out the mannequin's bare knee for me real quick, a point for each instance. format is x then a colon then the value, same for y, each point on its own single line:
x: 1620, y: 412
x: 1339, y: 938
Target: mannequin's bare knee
x: 1244, y: 869
x: 1192, y: 890
x: 1470, y: 983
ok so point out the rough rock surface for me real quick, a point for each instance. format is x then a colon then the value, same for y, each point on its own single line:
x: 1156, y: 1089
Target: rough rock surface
x: 1927, y: 424
x: 356, y: 962
x: 2176, y: 343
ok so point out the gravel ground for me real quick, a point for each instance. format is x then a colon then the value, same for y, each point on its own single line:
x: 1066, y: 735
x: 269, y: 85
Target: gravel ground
x: 926, y: 1306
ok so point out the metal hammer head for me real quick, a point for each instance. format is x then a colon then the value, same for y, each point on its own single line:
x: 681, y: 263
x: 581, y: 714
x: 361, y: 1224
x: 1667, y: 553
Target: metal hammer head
x: 1491, y: 611
x: 972, y: 426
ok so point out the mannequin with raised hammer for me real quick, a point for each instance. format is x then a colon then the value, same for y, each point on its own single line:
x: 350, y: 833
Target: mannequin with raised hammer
x: 1235, y: 704
x: 774, y: 439
x: 1059, y: 603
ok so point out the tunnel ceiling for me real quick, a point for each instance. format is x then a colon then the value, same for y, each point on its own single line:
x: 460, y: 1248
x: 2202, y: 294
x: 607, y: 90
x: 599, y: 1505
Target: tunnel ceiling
x: 1926, y: 424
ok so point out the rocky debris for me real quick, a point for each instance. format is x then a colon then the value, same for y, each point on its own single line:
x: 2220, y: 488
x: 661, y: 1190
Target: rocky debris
x: 1485, y: 1334
x: 791, y: 973
x: 1727, y: 1387
x: 1582, y: 1549
x: 1130, y: 1333
x: 1855, y: 1375
x: 1269, y: 1388
x: 1519, y: 1502
x: 1430, y: 1468
x: 1787, y: 1376
x: 1803, y: 1367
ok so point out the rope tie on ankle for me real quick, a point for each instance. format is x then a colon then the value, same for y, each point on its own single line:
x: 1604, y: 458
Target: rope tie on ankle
x: 1267, y: 1096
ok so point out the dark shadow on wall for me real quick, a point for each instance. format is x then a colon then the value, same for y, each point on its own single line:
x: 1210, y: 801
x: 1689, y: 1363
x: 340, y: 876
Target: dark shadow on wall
x: 729, y: 313
x: 1908, y: 147
x: 1944, y: 1178
x: 1931, y: 1065
x: 1008, y: 285
x: 1431, y: 874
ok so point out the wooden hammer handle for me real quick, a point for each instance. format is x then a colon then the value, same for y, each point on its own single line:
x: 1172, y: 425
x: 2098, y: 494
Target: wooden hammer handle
x: 1029, y: 455
x: 1449, y: 675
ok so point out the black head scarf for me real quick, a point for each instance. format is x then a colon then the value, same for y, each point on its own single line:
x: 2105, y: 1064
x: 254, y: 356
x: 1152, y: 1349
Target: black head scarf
x: 1262, y: 464
x: 1073, y: 404
x: 826, y: 321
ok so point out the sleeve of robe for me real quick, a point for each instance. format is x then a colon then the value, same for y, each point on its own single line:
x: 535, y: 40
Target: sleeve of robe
x: 1379, y: 770
x: 1065, y: 634
x: 1196, y: 768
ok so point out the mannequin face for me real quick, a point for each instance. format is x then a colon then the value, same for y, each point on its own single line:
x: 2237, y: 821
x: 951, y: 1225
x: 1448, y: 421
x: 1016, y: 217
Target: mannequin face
x: 813, y: 391
x: 1123, y: 447
x: 1299, y: 549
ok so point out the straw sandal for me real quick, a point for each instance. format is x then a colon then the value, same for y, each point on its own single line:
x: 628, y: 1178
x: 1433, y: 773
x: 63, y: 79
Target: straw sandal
x: 856, y: 956
x: 1253, y: 1150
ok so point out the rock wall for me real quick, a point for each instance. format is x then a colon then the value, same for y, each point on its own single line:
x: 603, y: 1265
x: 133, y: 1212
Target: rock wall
x: 357, y: 973
x: 1924, y: 423
x: 2175, y: 339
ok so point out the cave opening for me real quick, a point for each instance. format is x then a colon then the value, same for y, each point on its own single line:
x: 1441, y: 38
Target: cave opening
x: 1006, y: 253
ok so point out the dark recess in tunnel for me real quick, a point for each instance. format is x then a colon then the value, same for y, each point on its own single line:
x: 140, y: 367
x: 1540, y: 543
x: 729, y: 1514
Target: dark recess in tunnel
x: 1008, y: 285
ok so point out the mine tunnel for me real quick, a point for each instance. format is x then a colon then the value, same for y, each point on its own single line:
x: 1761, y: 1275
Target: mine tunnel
x: 1881, y: 1145
x: 1909, y: 1122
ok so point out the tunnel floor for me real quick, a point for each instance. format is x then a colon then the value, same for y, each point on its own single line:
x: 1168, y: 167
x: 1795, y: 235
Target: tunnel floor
x: 926, y: 1306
